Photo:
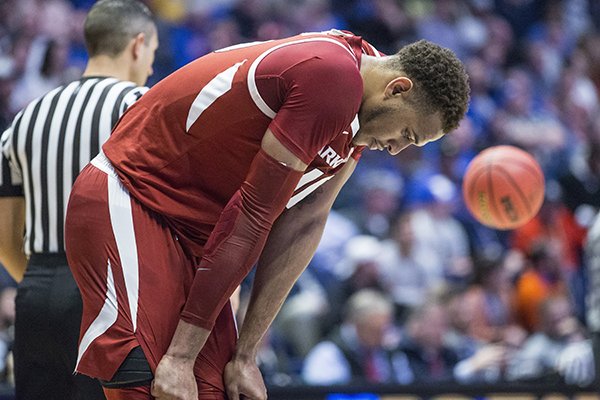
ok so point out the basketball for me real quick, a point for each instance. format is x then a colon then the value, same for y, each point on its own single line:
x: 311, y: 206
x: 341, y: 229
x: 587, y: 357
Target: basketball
x: 503, y: 187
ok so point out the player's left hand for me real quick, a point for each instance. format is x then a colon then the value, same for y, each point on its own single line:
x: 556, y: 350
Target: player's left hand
x: 243, y: 380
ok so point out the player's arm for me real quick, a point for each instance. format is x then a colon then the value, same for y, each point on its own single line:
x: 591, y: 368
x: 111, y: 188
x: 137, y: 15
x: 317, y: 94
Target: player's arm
x: 230, y: 252
x: 12, y: 224
x: 290, y: 247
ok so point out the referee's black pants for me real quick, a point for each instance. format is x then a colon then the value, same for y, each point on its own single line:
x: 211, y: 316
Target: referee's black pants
x: 48, y: 314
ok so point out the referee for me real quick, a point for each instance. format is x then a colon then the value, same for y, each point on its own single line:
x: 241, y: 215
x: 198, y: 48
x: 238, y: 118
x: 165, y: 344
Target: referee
x: 44, y: 149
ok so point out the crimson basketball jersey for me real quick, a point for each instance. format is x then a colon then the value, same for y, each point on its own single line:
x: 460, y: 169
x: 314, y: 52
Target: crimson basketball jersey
x: 185, y: 148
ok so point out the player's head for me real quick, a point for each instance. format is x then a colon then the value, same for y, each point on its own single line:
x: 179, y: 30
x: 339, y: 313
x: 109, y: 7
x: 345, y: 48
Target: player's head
x: 125, y: 30
x: 412, y: 97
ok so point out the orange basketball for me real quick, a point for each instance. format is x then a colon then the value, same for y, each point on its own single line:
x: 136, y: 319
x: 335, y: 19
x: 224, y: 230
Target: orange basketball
x: 503, y: 187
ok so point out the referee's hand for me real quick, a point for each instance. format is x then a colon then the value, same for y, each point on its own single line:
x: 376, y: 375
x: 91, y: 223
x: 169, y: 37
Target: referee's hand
x: 174, y: 379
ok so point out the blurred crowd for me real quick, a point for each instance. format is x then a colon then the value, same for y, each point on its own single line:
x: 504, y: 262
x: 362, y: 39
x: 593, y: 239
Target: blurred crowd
x: 406, y: 286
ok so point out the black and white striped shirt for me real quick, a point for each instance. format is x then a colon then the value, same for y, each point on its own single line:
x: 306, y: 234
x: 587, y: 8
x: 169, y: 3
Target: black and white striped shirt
x: 49, y: 143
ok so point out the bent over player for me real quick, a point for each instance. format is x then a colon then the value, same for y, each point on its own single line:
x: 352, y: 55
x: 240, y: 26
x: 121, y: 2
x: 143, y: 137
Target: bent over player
x: 233, y: 159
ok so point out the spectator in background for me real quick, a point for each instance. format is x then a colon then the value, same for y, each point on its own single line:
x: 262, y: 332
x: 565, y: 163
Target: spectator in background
x: 357, y: 350
x: 402, y: 272
x: 439, y: 235
x: 441, y: 26
x: 524, y: 114
x: 7, y: 334
x: 381, y: 191
x: 486, y: 304
x: 359, y: 268
x: 556, y: 224
x: 302, y: 317
x: 46, y: 64
x: 387, y: 22
x: 542, y: 278
x: 483, y: 106
x: 482, y: 359
x: 559, y: 348
x: 580, y: 183
x: 423, y: 349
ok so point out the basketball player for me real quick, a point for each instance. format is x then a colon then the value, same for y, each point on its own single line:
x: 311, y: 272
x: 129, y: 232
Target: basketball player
x: 237, y: 156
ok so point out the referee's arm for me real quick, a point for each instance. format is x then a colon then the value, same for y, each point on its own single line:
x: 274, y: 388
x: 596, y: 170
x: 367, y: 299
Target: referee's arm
x: 12, y: 224
x: 12, y: 220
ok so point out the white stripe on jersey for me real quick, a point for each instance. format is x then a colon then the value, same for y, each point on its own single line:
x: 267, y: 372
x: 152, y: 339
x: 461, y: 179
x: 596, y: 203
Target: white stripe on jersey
x: 241, y: 46
x: 70, y: 136
x: 130, y: 97
x: 217, y: 87
x: 355, y: 125
x: 253, y: 89
x: 85, y: 137
x: 36, y: 165
x: 22, y: 159
x: 375, y: 51
x: 104, y: 125
x: 8, y: 149
x: 301, y: 195
x: 51, y: 164
x: 308, y: 177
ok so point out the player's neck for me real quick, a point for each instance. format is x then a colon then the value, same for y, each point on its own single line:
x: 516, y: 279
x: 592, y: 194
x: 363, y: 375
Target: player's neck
x: 367, y: 64
x: 107, y: 66
x: 373, y: 75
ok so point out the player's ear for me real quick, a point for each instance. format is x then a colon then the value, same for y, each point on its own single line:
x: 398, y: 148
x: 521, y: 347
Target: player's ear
x: 138, y: 41
x: 397, y: 86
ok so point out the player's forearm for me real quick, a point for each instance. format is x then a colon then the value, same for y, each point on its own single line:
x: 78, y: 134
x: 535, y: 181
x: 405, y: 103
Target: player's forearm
x: 288, y: 251
x: 239, y: 237
x: 187, y: 341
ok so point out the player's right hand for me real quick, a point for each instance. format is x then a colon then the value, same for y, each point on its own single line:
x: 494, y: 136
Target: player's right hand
x: 174, y: 379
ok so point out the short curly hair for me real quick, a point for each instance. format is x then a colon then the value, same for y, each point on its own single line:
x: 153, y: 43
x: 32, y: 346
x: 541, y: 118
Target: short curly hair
x: 438, y: 76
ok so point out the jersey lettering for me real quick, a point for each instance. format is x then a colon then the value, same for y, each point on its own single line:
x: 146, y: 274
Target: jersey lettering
x: 332, y: 158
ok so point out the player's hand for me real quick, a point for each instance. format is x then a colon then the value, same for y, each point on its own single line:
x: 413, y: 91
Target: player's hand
x: 174, y: 379
x: 243, y: 380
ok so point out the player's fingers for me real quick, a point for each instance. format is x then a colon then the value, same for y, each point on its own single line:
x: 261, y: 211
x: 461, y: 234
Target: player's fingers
x: 255, y: 395
x: 156, y: 391
x: 233, y: 393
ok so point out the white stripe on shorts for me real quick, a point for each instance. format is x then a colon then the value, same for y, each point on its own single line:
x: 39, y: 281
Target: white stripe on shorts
x: 121, y: 218
x: 106, y: 317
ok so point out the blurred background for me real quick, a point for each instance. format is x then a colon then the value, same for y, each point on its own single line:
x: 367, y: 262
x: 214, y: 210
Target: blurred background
x: 406, y: 286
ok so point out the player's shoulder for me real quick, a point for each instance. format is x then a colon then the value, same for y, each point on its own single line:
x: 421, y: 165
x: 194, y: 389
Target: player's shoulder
x: 320, y: 52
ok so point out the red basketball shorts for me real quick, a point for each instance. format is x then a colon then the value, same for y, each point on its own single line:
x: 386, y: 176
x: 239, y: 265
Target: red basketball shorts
x: 134, y: 279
